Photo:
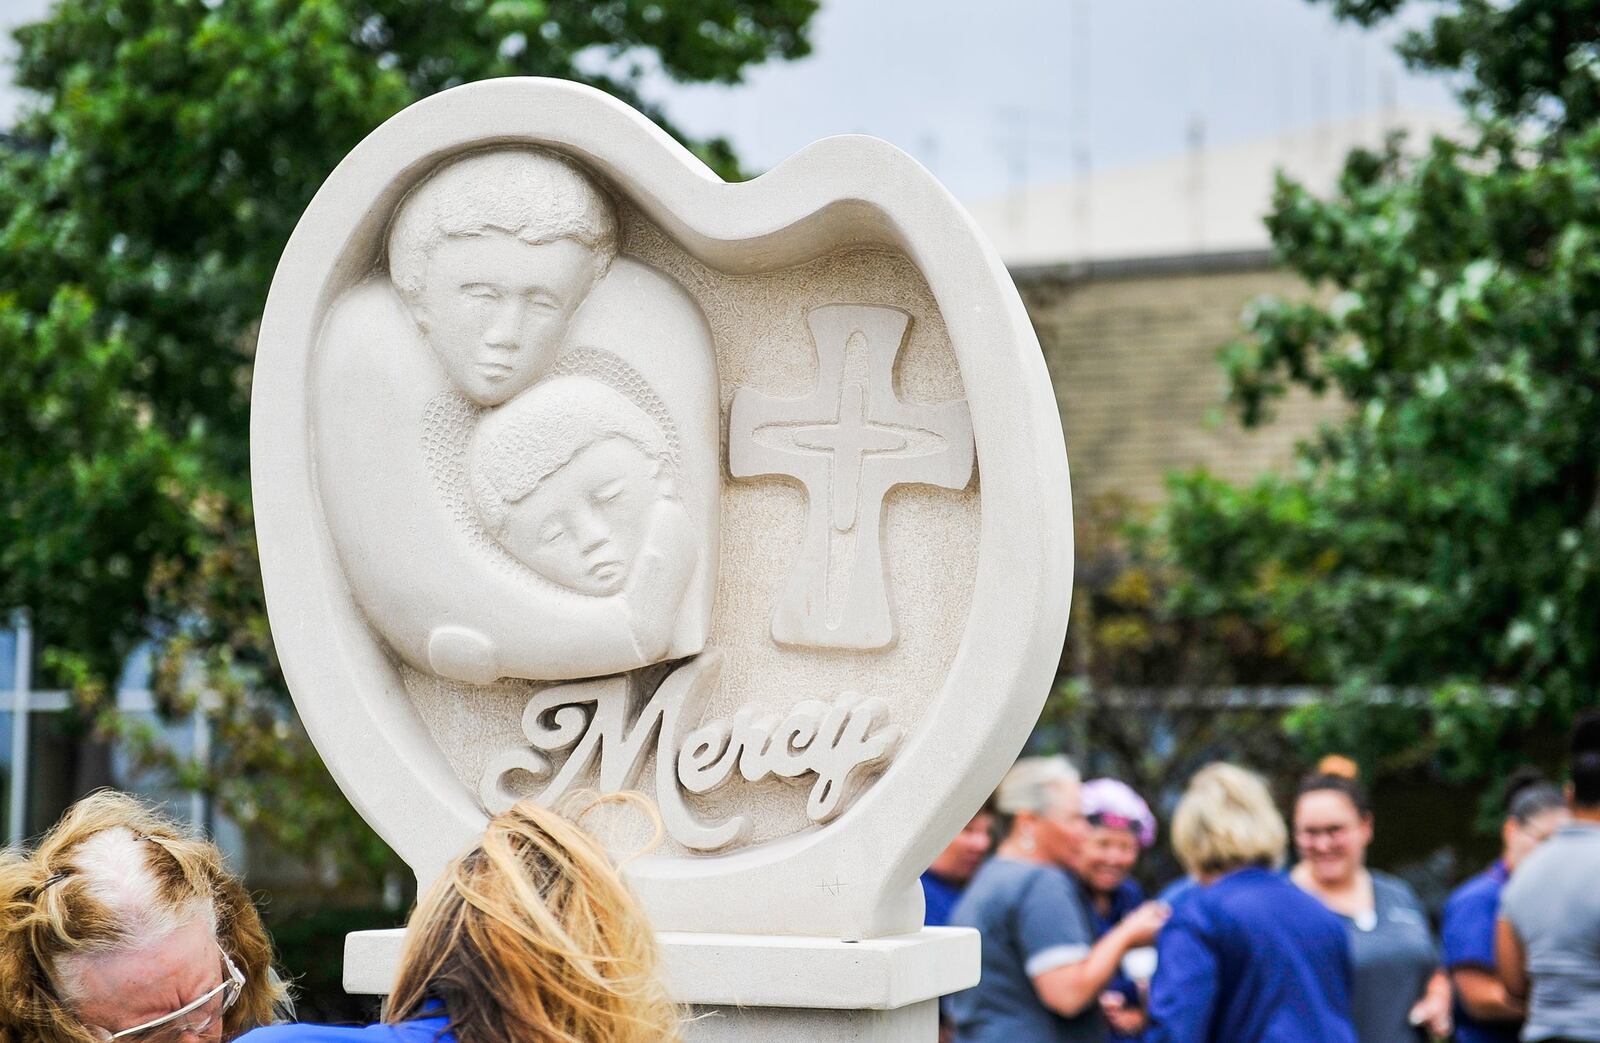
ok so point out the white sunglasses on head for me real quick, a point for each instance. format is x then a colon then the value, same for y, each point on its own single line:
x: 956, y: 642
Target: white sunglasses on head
x: 231, y: 987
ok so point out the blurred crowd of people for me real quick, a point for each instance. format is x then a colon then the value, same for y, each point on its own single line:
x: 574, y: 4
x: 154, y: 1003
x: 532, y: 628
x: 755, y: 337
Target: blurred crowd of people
x: 1243, y: 949
x: 121, y: 924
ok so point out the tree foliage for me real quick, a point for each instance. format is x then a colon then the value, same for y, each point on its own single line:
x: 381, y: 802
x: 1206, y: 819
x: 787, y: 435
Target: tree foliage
x: 144, y: 200
x: 1437, y: 555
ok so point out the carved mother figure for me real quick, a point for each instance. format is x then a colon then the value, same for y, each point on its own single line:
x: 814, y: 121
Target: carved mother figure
x: 528, y: 422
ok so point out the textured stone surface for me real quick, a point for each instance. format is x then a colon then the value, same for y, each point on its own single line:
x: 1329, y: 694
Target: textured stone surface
x: 867, y: 757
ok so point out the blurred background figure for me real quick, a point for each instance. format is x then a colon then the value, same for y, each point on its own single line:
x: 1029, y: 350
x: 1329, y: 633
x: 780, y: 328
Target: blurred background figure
x: 943, y: 882
x: 1399, y: 989
x: 1247, y: 957
x: 1121, y: 826
x: 1548, y: 940
x: 122, y: 923
x: 1484, y: 1011
x: 1043, y: 970
x: 950, y: 873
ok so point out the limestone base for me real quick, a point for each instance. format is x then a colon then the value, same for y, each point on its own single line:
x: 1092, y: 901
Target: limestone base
x: 917, y: 1023
x: 772, y: 988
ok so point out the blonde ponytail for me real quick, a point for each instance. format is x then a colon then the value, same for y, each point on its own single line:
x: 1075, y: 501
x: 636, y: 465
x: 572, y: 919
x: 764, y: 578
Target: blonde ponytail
x: 533, y: 935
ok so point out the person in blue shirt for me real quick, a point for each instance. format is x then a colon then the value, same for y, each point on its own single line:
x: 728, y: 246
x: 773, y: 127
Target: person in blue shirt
x: 1247, y: 957
x: 1485, y: 1011
x: 1121, y: 826
x: 531, y: 935
x: 943, y: 882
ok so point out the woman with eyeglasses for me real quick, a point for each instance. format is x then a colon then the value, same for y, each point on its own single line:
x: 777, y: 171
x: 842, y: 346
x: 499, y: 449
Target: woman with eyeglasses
x: 123, y: 925
x: 531, y: 935
x: 1400, y: 995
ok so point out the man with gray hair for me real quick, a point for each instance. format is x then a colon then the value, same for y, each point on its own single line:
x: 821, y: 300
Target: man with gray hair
x: 1043, y: 970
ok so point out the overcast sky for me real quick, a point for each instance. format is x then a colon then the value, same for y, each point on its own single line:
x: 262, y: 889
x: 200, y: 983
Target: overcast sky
x: 999, y: 92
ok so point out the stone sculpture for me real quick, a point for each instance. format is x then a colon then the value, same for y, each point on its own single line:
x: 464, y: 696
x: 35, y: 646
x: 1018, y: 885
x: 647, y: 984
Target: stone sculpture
x: 578, y: 469
x: 491, y: 262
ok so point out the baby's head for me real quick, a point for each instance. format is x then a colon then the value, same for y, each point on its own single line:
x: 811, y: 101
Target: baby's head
x: 493, y: 254
x: 566, y: 477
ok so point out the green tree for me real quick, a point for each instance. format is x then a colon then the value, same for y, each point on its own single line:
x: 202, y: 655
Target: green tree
x: 1435, y: 557
x: 144, y: 200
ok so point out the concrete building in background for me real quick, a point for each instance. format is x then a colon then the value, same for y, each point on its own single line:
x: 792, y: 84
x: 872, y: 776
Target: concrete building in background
x: 1135, y: 278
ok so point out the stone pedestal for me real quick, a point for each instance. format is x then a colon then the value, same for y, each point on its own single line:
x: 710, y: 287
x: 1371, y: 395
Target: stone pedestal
x: 774, y: 988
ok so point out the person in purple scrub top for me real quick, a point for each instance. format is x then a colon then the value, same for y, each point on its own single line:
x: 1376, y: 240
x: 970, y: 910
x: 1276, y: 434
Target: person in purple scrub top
x: 943, y: 882
x: 1485, y: 1011
x: 1247, y: 957
x: 1121, y: 827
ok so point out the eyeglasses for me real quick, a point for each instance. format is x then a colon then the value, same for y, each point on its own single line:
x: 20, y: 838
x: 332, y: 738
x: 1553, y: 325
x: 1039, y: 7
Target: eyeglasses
x: 192, y: 1018
x: 1332, y: 833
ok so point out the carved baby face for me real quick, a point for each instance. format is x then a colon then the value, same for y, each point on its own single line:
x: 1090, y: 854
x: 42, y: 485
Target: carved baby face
x: 583, y: 524
x: 495, y: 309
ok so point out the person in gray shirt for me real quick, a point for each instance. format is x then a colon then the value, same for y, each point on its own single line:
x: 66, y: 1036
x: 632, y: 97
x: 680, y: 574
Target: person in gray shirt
x: 1548, y: 938
x: 1043, y: 970
x: 1400, y: 995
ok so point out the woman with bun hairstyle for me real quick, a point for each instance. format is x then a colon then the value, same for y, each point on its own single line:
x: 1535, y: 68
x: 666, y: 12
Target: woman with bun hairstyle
x: 1485, y: 1011
x: 530, y: 936
x: 124, y: 925
x: 1400, y: 995
x: 1247, y: 957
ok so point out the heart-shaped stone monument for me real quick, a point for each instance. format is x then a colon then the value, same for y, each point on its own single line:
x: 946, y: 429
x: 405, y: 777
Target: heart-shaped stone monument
x: 577, y: 468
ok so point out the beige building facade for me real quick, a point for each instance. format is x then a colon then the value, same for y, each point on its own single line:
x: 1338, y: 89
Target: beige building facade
x: 1132, y: 343
x: 1132, y: 349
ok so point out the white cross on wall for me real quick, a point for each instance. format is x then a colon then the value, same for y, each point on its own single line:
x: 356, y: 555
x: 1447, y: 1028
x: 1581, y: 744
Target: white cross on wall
x: 849, y: 442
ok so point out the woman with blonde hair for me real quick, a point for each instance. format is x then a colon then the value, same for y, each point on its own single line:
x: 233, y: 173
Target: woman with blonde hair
x: 1247, y: 957
x: 530, y: 936
x: 124, y: 925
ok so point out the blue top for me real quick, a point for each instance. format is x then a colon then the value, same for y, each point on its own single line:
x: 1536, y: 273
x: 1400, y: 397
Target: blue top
x: 1125, y: 899
x: 938, y: 899
x: 1178, y: 890
x: 1251, y: 959
x: 422, y: 1030
x: 1467, y: 940
x: 1032, y: 921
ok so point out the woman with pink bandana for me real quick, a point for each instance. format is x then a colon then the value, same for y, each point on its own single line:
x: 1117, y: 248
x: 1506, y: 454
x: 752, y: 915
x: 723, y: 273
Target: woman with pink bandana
x: 1121, y: 827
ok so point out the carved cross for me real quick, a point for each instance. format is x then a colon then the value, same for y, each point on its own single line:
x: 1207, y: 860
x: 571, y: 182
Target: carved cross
x: 848, y: 443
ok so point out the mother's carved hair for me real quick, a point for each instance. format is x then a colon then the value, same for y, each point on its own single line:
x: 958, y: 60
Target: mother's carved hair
x: 523, y: 442
x: 530, y: 193
x: 112, y: 876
